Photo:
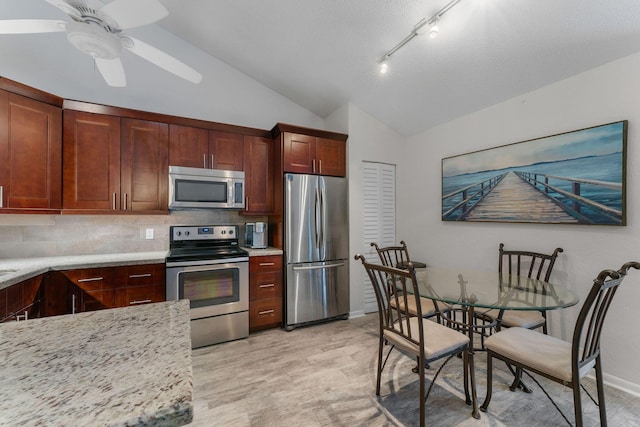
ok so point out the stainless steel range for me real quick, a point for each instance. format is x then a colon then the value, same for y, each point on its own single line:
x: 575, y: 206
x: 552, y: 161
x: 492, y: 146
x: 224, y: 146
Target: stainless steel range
x: 206, y: 266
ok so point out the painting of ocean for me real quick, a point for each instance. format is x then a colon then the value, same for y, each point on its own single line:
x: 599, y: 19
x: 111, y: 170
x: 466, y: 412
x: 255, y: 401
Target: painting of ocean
x: 574, y: 178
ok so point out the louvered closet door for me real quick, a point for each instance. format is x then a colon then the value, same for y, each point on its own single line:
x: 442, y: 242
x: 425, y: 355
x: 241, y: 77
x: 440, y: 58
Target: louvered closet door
x: 379, y: 217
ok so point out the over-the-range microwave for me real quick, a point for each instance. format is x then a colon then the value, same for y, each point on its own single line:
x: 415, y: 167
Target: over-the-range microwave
x: 200, y: 188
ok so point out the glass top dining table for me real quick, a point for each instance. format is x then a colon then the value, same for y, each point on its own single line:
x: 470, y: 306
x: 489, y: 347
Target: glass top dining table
x: 477, y: 292
x: 492, y: 290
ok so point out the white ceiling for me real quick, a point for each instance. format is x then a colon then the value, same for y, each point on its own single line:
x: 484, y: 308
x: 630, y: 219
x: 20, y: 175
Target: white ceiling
x: 323, y: 53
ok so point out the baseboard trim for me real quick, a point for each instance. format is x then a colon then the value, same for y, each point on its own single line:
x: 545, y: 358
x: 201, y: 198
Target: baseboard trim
x: 620, y: 384
x: 357, y: 313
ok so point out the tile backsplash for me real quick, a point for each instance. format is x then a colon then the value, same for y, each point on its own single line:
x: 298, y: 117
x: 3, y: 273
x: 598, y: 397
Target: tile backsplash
x: 27, y: 236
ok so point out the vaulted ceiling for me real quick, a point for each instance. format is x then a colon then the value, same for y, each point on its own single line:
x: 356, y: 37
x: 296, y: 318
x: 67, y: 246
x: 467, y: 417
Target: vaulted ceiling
x: 323, y: 53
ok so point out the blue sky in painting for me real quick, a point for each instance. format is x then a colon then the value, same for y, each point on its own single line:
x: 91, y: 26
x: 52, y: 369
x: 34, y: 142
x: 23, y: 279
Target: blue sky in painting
x: 596, y: 141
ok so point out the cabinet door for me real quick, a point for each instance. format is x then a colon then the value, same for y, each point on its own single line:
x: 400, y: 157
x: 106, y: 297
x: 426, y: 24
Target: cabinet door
x: 30, y: 153
x: 91, y: 288
x: 299, y: 153
x: 225, y: 150
x: 140, y: 284
x: 258, y: 174
x: 331, y: 157
x: 188, y: 146
x: 144, y: 165
x: 91, y: 178
x: 21, y: 301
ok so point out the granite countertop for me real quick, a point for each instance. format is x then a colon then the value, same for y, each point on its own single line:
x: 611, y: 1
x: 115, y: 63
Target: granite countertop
x: 263, y: 252
x: 13, y: 271
x: 119, y: 367
x: 16, y: 270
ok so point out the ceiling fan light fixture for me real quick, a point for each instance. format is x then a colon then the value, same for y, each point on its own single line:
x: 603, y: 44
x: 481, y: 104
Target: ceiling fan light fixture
x: 93, y: 40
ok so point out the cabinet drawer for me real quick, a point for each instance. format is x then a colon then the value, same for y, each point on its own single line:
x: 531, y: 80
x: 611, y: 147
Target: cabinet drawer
x: 265, y: 263
x: 139, y: 295
x: 266, y: 284
x: 265, y: 313
x: 92, y: 279
x: 141, y: 275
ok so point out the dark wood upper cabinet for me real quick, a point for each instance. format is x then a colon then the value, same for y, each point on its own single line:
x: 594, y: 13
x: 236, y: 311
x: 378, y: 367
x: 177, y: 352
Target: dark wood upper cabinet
x: 30, y: 154
x: 311, y: 151
x: 188, y: 146
x: 91, y: 178
x: 114, y: 164
x: 202, y: 148
x: 144, y: 165
x: 225, y: 150
x: 299, y: 153
x: 332, y: 157
x: 258, y: 170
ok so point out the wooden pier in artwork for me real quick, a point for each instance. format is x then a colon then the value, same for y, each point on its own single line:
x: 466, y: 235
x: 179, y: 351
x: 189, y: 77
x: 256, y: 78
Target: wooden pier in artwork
x: 527, y: 197
x: 515, y: 200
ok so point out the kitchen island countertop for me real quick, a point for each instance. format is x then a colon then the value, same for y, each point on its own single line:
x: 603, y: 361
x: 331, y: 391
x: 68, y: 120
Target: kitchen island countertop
x: 119, y: 367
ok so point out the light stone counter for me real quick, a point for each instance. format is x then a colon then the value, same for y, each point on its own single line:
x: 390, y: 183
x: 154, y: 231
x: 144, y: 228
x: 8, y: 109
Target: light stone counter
x: 262, y: 252
x: 120, y: 367
x: 13, y: 271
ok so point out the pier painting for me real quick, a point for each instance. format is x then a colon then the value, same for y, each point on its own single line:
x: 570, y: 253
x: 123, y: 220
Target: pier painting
x: 571, y: 178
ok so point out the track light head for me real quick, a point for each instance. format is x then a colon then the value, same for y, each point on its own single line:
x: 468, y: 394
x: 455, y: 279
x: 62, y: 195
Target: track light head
x: 433, y: 31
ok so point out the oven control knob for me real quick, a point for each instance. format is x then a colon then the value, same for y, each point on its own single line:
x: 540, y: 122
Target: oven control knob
x: 178, y: 233
x: 230, y: 231
x: 223, y: 232
x: 186, y: 233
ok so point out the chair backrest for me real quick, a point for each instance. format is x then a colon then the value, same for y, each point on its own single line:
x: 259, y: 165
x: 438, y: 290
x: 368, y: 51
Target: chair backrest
x: 588, y: 329
x: 526, y: 263
x: 393, y: 256
x: 394, y: 288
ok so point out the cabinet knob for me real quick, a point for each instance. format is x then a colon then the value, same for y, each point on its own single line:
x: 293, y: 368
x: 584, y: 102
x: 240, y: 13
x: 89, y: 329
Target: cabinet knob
x: 1, y: 197
x: 144, y: 301
x: 263, y: 312
x: 267, y: 285
x: 137, y: 276
x: 204, y: 160
x: 114, y: 201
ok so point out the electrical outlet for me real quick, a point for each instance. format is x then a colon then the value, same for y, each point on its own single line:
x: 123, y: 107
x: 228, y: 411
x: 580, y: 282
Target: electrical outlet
x: 149, y: 233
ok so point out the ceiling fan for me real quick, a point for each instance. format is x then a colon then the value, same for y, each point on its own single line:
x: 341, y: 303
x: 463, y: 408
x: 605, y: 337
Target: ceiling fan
x: 99, y: 33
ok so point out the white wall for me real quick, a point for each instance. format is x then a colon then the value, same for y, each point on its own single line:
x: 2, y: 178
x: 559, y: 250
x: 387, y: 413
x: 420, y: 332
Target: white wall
x: 369, y: 140
x: 603, y: 95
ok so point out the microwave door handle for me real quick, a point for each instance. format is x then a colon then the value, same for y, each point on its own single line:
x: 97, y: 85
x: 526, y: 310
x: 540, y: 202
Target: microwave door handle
x: 230, y: 199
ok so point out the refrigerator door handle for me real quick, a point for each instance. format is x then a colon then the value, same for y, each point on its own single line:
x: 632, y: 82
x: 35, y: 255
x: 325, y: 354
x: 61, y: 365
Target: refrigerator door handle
x: 323, y: 243
x: 318, y: 219
x: 318, y: 267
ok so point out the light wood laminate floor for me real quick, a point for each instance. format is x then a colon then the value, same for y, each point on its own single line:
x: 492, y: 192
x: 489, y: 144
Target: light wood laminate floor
x: 324, y: 375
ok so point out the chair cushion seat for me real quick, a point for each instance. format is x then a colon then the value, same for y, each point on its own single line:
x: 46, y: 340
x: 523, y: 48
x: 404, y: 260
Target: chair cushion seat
x: 438, y: 339
x: 426, y: 304
x: 538, y: 351
x: 530, y: 319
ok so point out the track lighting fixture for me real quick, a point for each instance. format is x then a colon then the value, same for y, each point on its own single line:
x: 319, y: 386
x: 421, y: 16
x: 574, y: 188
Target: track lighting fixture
x: 425, y: 26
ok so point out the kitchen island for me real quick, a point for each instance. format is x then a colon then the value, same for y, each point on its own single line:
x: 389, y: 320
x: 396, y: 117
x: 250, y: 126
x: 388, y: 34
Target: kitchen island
x: 119, y: 367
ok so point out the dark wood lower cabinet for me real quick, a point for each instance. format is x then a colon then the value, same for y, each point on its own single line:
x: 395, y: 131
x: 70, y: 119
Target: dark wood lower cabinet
x: 90, y: 289
x: 22, y: 301
x: 265, y: 292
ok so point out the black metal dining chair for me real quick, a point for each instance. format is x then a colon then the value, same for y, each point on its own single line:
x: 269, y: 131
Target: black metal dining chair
x: 398, y: 256
x: 528, y: 264
x: 423, y: 339
x: 563, y: 362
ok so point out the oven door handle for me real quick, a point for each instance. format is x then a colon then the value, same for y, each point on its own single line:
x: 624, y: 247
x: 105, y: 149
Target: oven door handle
x: 318, y: 267
x: 205, y: 262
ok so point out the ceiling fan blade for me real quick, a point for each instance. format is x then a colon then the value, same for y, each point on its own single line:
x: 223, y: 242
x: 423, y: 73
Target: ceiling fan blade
x: 164, y: 60
x: 134, y: 13
x: 112, y: 71
x: 29, y: 26
x: 65, y: 7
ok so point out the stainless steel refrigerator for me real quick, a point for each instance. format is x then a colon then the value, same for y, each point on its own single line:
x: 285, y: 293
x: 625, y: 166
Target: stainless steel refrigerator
x: 316, y: 229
